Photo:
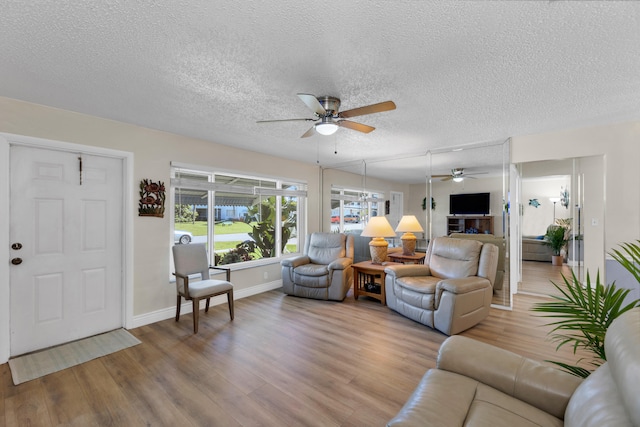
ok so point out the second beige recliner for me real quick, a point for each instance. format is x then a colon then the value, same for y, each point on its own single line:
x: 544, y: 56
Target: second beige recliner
x: 324, y: 271
x: 500, y: 242
x: 452, y: 291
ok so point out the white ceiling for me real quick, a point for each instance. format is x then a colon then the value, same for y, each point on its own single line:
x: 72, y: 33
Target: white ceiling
x: 460, y: 72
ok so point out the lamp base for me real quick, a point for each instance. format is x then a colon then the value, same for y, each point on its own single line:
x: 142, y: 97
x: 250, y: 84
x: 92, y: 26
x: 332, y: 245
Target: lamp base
x: 378, y: 248
x: 408, y: 244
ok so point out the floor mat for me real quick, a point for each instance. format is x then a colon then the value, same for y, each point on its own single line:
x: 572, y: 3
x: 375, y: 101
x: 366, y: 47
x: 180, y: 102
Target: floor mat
x: 35, y: 365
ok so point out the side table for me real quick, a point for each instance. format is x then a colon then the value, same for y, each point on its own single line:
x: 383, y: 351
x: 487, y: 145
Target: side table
x: 418, y: 258
x: 366, y: 272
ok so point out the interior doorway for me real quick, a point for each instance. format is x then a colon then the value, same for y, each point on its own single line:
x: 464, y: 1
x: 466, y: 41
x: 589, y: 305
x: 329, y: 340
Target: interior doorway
x: 561, y: 192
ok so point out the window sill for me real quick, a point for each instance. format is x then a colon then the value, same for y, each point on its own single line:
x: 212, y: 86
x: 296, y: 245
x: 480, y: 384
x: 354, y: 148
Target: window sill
x: 241, y: 266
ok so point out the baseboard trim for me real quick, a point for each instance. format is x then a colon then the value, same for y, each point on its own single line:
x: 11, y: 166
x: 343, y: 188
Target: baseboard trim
x: 170, y: 312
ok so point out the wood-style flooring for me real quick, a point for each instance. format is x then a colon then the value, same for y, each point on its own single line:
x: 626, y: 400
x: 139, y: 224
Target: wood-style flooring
x: 539, y: 277
x: 283, y: 361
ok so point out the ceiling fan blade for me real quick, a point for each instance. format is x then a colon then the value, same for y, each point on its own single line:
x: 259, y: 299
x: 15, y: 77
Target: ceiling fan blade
x: 355, y: 126
x: 440, y: 176
x: 369, y: 109
x: 286, y: 120
x: 312, y: 102
x: 309, y: 133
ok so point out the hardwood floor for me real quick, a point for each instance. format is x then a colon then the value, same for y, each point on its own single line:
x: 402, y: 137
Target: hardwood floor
x: 537, y: 277
x: 282, y: 361
x: 536, y: 280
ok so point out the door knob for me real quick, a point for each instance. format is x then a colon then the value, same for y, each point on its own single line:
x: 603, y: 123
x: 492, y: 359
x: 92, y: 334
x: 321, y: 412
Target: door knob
x: 16, y: 261
x: 16, y: 246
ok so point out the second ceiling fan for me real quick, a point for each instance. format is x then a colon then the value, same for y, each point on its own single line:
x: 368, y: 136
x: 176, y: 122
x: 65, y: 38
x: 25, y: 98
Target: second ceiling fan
x: 328, y: 118
x: 457, y: 175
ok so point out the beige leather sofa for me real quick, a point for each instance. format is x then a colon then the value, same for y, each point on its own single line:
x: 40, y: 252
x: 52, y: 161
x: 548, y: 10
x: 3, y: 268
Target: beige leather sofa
x: 501, y: 244
x: 478, y: 384
x: 324, y: 271
x: 534, y: 249
x: 452, y: 291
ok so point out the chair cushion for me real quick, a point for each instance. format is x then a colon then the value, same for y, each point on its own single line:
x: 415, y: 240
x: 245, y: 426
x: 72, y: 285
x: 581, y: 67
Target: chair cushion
x: 191, y: 259
x: 206, y: 287
x: 417, y: 291
x: 313, y: 270
x: 454, y: 258
x: 326, y: 247
x: 311, y: 281
x: 447, y: 399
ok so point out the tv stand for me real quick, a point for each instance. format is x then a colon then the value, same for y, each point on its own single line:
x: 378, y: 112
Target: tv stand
x: 482, y: 224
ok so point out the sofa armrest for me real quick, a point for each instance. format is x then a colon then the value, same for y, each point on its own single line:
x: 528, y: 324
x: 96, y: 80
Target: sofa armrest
x: 405, y: 270
x: 340, y: 264
x: 462, y: 285
x: 295, y: 261
x: 544, y: 387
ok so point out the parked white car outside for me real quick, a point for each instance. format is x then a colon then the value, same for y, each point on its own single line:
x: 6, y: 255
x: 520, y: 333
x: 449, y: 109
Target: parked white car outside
x: 182, y: 237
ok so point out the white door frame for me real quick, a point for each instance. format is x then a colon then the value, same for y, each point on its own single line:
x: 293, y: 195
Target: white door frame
x: 6, y: 140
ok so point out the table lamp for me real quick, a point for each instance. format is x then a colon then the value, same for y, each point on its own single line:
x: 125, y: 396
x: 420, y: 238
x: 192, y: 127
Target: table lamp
x: 378, y: 227
x: 408, y: 225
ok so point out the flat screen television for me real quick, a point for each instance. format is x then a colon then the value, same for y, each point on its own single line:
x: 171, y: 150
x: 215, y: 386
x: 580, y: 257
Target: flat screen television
x: 470, y: 204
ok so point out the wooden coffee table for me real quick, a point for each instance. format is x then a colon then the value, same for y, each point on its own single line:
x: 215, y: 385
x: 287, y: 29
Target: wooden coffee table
x: 367, y: 272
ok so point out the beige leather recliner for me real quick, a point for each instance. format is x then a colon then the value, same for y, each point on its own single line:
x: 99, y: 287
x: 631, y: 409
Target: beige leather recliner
x: 324, y: 271
x: 478, y: 384
x: 452, y: 291
x: 501, y: 243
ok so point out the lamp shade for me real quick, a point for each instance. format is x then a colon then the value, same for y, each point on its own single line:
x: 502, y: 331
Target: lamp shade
x: 409, y: 223
x: 378, y: 226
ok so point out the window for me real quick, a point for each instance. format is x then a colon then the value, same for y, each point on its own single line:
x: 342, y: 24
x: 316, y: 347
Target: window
x: 351, y: 209
x: 240, y: 218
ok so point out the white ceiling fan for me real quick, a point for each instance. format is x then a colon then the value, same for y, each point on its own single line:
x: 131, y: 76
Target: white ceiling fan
x: 457, y: 175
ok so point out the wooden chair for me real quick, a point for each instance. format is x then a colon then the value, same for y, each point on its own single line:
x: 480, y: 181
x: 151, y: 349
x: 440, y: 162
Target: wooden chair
x: 191, y: 259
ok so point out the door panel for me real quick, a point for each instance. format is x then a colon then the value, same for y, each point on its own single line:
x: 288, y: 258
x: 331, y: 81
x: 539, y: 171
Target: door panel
x: 69, y: 284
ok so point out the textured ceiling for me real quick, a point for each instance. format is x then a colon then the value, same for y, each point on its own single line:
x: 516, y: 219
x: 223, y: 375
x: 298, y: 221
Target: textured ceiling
x: 459, y: 72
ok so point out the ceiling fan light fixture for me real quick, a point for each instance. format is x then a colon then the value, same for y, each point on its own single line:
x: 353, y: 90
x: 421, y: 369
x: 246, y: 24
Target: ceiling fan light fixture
x: 458, y: 179
x: 326, y: 128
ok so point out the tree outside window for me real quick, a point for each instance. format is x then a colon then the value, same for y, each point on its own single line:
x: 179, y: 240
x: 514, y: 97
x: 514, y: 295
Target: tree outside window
x: 244, y: 223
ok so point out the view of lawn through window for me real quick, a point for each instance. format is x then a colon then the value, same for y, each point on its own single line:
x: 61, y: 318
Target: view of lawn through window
x: 239, y: 218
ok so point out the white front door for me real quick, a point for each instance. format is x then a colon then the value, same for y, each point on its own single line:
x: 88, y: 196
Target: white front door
x: 66, y: 239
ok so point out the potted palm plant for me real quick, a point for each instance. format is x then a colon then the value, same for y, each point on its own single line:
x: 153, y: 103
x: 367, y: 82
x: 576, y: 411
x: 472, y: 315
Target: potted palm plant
x: 582, y: 313
x: 556, y: 239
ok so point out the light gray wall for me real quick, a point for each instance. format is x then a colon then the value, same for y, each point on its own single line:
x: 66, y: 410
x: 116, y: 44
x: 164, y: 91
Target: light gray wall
x: 153, y: 152
x: 535, y: 220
